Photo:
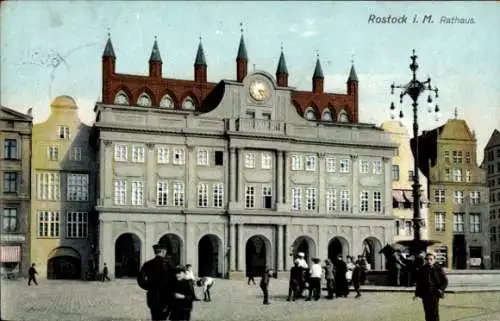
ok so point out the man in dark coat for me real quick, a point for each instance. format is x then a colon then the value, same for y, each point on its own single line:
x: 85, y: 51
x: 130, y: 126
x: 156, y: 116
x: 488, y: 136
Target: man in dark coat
x: 341, y: 285
x: 182, y: 296
x: 156, y: 277
x: 296, y: 279
x: 31, y: 275
x: 431, y: 284
x: 105, y: 272
x: 357, y: 276
x: 264, y: 284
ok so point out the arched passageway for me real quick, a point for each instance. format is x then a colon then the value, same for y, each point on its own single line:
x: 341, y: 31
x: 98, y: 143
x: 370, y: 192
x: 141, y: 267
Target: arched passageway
x: 371, y: 251
x: 337, y: 246
x: 127, y: 256
x: 173, y: 243
x: 64, y: 263
x: 209, y: 256
x: 257, y: 252
x: 306, y: 245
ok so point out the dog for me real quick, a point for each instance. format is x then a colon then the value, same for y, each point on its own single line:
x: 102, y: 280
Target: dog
x: 206, y: 282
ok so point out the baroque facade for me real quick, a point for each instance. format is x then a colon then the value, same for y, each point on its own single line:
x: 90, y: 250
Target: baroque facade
x: 491, y: 164
x: 402, y: 181
x: 15, y: 166
x: 63, y: 169
x: 237, y: 175
x: 458, y: 196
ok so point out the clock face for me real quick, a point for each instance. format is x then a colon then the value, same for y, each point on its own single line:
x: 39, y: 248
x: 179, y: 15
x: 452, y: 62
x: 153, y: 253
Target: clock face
x: 259, y: 90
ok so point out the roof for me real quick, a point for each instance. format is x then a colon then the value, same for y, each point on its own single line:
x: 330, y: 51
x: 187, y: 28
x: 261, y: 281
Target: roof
x: 16, y: 114
x: 242, y: 50
x: 494, y: 139
x: 64, y: 102
x: 155, y: 53
x: 318, y: 71
x: 282, y: 69
x: 200, y: 56
x: 395, y: 127
x: 108, y: 50
x: 352, y: 75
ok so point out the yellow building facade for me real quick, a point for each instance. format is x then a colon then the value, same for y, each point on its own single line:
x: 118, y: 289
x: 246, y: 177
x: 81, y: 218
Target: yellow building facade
x: 459, y: 208
x: 62, y: 190
x: 402, y: 181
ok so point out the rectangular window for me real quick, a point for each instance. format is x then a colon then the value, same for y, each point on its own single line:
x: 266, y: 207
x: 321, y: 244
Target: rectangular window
x: 266, y: 160
x: 138, y: 153
x: 53, y: 153
x: 310, y: 162
x: 179, y: 194
x: 250, y: 114
x: 120, y: 192
x: 441, y: 255
x: 219, y: 158
x: 447, y: 156
x: 363, y: 166
x: 330, y: 164
x: 266, y: 116
x: 408, y: 228
x: 162, y: 193
x: 10, y: 149
x: 249, y: 160
x: 457, y: 157
x: 377, y: 202
x: 77, y: 225
x: 9, y: 220
x: 440, y: 221
x: 48, y: 186
x: 447, y: 174
x: 475, y: 222
x: 202, y: 157
x: 475, y: 197
x: 363, y: 200
x: 395, y: 172
x: 331, y: 198
x: 202, y: 195
x: 458, y: 222
x: 9, y: 182
x: 218, y: 195
x: 121, y: 152
x: 344, y: 201
x: 344, y: 165
x: 439, y: 196
x: 457, y: 175
x: 296, y: 198
x: 63, y: 132
x: 137, y: 193
x: 410, y: 176
x: 162, y: 154
x: 179, y: 156
x: 77, y: 187
x: 249, y: 196
x: 75, y: 154
x: 458, y: 197
x: 297, y: 163
x: 467, y: 158
x: 267, y: 196
x: 311, y: 198
x: 48, y: 224
x: 377, y: 167
x: 467, y: 175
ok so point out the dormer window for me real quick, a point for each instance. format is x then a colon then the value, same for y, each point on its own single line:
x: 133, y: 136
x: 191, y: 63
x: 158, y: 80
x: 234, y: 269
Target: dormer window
x: 121, y: 98
x: 309, y: 114
x: 188, y: 104
x: 166, y: 102
x: 144, y: 100
x: 327, y: 115
x: 343, y: 117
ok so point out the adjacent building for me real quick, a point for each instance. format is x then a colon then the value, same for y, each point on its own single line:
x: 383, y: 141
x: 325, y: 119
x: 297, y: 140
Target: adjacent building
x: 402, y: 181
x: 459, y: 208
x: 236, y: 175
x: 491, y: 164
x: 15, y: 166
x: 63, y: 176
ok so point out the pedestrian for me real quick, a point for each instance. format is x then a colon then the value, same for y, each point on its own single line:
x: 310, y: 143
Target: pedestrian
x: 264, y: 284
x: 357, y: 275
x: 182, y: 297
x: 296, y: 275
x: 431, y: 284
x: 105, y: 273
x: 156, y: 277
x: 341, y: 285
x: 305, y: 270
x: 191, y: 279
x: 364, y: 268
x: 350, y: 268
x: 330, y: 281
x: 31, y: 274
x: 315, y: 280
x: 206, y: 282
x: 250, y: 275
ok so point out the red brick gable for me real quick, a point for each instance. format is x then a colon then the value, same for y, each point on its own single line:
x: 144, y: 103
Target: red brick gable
x: 319, y: 102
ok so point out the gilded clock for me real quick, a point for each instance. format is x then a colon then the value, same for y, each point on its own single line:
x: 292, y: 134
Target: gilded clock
x: 259, y: 90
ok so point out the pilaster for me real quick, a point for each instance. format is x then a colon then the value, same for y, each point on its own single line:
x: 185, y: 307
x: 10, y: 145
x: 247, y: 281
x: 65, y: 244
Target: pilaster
x: 387, y: 191
x: 233, y: 172
x: 232, y: 254
x: 189, y: 172
x: 286, y: 169
x: 190, y: 248
x: 106, y: 246
x: 279, y: 179
x: 106, y: 172
x: 322, y: 242
x: 241, y: 249
x: 355, y: 184
x: 240, y: 176
x: 280, y: 259
x: 321, y: 183
x: 288, y: 258
x: 150, y: 179
x: 149, y: 241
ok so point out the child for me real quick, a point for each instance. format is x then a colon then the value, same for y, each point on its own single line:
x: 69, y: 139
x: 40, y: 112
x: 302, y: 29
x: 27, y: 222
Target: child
x: 206, y: 282
x: 190, y: 278
x: 264, y: 285
x: 182, y: 297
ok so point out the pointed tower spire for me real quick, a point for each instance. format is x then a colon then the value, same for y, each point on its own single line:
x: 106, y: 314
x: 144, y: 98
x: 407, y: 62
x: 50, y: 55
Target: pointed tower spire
x: 241, y: 58
x: 155, y: 61
x: 352, y: 73
x: 108, y: 69
x: 108, y: 50
x: 352, y: 89
x: 282, y: 71
x: 200, y: 65
x: 318, y: 77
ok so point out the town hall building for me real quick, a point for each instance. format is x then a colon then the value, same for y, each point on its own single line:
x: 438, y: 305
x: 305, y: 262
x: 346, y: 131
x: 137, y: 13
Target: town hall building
x: 237, y: 175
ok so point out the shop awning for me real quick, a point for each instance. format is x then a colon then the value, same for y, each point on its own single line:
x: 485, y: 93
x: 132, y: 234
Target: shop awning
x: 408, y: 196
x: 10, y: 254
x: 398, y: 196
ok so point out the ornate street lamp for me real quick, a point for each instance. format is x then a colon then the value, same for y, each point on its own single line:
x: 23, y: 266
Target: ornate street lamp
x: 414, y: 89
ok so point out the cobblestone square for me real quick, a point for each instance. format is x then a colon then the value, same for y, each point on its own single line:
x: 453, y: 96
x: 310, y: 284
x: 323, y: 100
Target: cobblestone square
x: 231, y: 301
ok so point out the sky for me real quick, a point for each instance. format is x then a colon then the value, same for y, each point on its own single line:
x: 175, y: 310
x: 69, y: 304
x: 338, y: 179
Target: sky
x: 52, y: 48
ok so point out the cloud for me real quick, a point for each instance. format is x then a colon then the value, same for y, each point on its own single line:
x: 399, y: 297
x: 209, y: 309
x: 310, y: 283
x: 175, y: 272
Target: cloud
x: 309, y: 33
x: 218, y: 32
x: 306, y: 28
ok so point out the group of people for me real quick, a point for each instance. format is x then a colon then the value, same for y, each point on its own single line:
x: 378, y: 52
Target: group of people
x: 170, y: 290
